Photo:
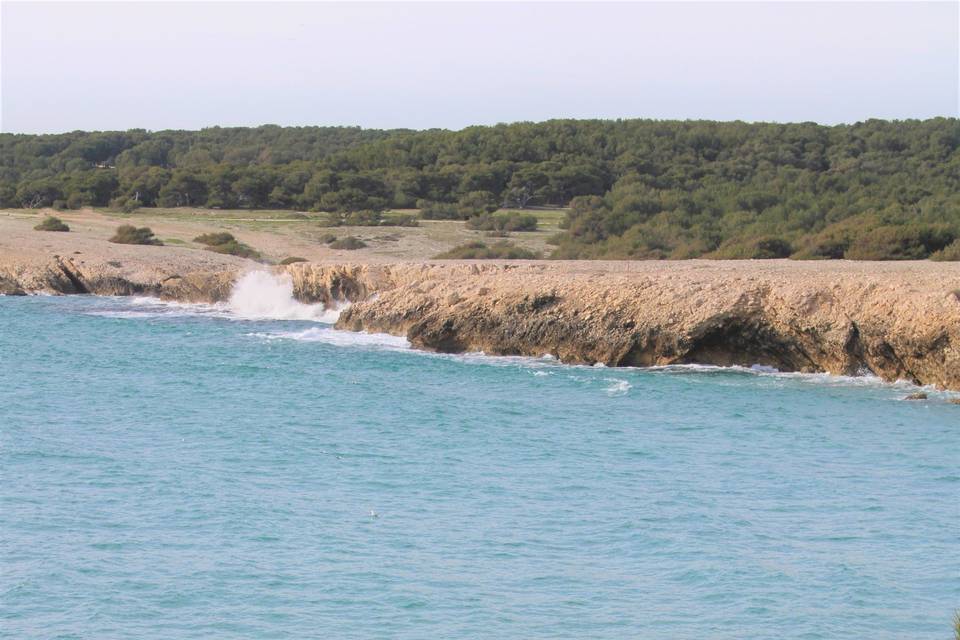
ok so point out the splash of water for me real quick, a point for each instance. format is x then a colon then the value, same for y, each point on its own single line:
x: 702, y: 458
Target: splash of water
x: 261, y: 295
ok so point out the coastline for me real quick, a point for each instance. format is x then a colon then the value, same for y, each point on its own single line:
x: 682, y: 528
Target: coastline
x: 898, y: 320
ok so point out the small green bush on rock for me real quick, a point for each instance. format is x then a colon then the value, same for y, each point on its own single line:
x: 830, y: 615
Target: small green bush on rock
x: 129, y: 234
x: 52, y: 223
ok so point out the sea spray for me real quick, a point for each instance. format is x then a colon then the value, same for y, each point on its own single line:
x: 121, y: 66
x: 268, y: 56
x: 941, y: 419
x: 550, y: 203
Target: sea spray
x: 261, y: 295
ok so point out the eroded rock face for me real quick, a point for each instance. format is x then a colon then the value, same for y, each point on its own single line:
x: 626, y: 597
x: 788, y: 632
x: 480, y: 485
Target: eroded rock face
x: 897, y: 322
x: 65, y: 275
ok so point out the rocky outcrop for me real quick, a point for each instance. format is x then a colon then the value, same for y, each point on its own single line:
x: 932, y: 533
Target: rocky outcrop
x: 899, y: 321
x: 63, y: 275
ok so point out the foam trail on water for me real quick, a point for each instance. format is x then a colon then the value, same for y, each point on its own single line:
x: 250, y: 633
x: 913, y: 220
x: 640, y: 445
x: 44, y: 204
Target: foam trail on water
x: 340, y: 338
x: 261, y: 295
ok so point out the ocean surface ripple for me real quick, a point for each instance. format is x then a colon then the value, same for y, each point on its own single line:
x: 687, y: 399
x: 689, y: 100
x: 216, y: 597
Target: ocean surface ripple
x: 192, y: 471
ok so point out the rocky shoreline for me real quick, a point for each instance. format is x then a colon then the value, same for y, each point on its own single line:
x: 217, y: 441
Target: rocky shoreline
x: 896, y: 320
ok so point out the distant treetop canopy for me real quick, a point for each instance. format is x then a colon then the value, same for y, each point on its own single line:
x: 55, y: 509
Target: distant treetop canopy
x: 635, y: 188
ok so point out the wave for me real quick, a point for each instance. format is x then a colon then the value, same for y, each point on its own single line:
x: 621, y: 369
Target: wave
x: 261, y: 295
x: 257, y: 295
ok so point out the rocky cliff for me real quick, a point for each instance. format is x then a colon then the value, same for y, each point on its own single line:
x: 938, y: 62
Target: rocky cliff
x: 898, y: 320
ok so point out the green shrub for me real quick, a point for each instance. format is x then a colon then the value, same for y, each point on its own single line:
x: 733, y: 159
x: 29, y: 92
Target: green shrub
x: 949, y: 253
x: 481, y: 251
x: 75, y: 200
x: 327, y: 238
x: 235, y: 248
x: 129, y: 234
x: 506, y: 222
x: 211, y: 239
x: 124, y: 204
x: 349, y: 243
x: 223, y: 242
x: 476, y: 203
x: 52, y: 223
x: 365, y: 218
x: 902, y: 242
x: 292, y: 259
x: 439, y: 211
x: 765, y: 248
x: 59, y: 205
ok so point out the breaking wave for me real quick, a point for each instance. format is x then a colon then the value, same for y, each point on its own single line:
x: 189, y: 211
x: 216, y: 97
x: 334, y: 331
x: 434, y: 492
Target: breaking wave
x: 261, y: 295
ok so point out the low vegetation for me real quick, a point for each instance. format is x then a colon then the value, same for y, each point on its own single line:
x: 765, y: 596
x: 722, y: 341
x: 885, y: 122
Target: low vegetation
x: 223, y: 242
x: 950, y: 252
x: 348, y: 243
x: 481, y: 251
x: 634, y: 189
x: 370, y: 218
x: 124, y: 204
x: 52, y: 223
x: 292, y: 260
x: 503, y: 222
x: 129, y: 234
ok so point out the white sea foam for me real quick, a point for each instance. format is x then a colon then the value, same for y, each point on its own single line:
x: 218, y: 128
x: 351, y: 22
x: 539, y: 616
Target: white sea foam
x: 617, y: 387
x: 339, y: 338
x: 257, y: 295
x: 261, y: 295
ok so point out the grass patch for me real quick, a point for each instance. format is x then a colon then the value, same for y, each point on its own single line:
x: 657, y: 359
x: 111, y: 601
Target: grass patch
x: 481, y: 251
x: 174, y: 241
x: 129, y: 234
x: 52, y: 223
x: 292, y: 260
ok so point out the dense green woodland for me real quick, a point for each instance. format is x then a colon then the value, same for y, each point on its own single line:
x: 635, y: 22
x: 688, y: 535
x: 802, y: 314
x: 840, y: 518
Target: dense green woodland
x: 635, y: 188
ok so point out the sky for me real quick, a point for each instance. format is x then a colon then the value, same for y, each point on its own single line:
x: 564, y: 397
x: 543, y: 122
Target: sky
x: 185, y: 65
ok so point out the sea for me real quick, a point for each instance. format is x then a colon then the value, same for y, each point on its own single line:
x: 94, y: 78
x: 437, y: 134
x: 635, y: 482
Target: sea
x: 245, y: 470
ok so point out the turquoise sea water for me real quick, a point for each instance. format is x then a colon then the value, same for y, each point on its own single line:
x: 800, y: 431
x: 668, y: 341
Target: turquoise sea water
x: 176, y: 472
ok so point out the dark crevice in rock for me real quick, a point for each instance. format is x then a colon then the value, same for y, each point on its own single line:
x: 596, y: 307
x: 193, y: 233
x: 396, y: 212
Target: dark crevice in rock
x: 746, y: 342
x: 75, y: 281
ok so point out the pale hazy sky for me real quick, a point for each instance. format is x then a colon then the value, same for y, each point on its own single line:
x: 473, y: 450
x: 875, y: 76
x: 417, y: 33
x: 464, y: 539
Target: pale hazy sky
x: 182, y: 65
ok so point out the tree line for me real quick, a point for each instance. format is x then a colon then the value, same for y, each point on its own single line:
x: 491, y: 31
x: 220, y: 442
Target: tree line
x: 634, y: 188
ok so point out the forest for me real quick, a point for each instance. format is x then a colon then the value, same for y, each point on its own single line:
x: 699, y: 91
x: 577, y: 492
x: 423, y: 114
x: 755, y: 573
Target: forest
x: 634, y: 189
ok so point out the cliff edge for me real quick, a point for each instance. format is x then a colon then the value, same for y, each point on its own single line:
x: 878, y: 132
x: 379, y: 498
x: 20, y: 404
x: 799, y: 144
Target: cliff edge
x: 899, y: 320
